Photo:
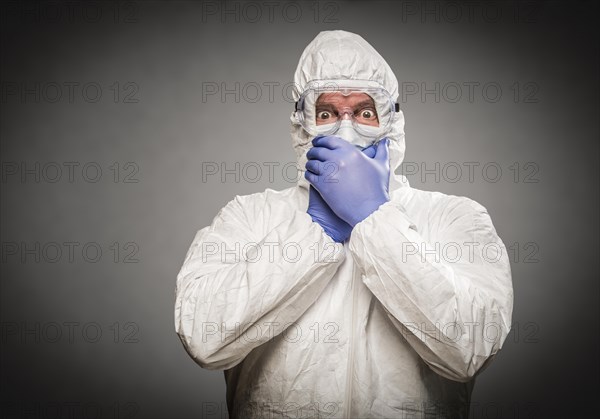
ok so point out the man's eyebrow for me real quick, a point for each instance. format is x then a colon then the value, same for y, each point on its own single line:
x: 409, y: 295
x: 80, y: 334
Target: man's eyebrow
x: 325, y: 105
x: 368, y: 102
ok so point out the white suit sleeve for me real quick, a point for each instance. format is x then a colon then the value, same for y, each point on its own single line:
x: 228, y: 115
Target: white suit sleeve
x: 452, y: 297
x: 240, y: 286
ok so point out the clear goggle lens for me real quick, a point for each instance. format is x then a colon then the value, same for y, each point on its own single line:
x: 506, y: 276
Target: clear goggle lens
x: 322, y: 107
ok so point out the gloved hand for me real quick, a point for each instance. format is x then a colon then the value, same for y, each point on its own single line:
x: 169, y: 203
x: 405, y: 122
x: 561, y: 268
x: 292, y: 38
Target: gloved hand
x: 351, y: 182
x: 334, y: 226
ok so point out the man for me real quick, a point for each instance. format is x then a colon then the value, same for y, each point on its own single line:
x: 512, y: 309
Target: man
x: 362, y: 317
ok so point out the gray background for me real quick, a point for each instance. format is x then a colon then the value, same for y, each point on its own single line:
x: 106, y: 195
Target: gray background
x: 170, y: 52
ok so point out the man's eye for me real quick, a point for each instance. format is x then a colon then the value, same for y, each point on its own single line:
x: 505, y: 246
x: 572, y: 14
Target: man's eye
x: 367, y: 114
x: 323, y: 115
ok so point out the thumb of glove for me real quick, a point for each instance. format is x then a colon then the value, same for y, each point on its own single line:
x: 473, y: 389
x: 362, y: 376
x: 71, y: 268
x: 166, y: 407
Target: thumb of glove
x: 382, y: 154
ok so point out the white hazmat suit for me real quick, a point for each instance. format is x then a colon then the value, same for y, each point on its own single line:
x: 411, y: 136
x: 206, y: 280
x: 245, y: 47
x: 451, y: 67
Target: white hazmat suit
x: 394, y: 322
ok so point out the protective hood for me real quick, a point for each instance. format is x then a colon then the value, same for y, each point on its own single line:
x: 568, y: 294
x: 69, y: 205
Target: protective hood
x: 341, y: 55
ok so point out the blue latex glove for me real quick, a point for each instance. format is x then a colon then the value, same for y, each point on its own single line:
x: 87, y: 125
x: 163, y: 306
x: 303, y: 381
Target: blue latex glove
x: 334, y: 226
x: 351, y: 182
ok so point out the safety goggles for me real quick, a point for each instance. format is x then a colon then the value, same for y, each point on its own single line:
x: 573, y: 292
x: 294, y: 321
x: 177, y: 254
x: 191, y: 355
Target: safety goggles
x: 324, y: 104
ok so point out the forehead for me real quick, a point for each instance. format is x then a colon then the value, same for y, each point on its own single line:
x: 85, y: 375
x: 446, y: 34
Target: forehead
x: 339, y: 99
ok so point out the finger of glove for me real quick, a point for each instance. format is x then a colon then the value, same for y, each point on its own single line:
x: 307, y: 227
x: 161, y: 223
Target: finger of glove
x: 315, y: 166
x: 330, y: 141
x: 312, y: 178
x: 320, y: 153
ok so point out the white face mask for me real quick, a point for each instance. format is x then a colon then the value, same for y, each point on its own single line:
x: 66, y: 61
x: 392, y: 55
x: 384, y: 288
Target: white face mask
x: 348, y: 133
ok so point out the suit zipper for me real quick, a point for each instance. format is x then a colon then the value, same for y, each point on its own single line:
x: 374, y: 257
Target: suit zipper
x: 350, y: 367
